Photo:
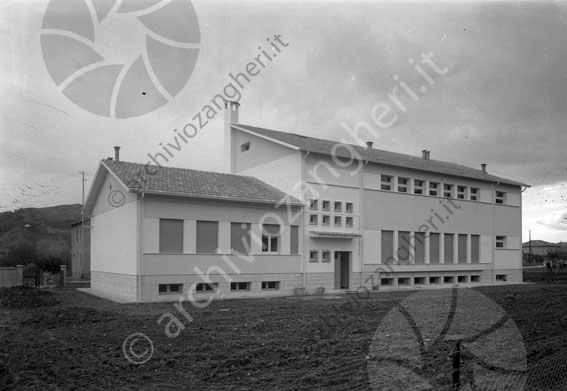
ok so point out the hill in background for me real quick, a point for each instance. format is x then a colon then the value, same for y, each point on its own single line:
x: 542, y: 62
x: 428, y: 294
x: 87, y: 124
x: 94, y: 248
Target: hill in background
x: 45, y: 229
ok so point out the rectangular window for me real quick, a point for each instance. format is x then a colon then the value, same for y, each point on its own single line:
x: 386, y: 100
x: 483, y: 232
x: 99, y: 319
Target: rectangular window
x: 434, y: 280
x: 475, y: 278
x: 501, y: 242
x: 463, y: 279
x: 313, y: 219
x: 326, y: 256
x: 245, y: 147
x: 501, y: 277
x: 338, y: 221
x: 448, y: 248
x: 338, y: 206
x: 418, y: 186
x: 500, y: 197
x: 240, y: 237
x: 448, y: 279
x: 461, y: 190
x: 419, y: 280
x: 447, y: 190
x: 207, y: 237
x: 349, y: 207
x: 462, y: 250
x: 434, y: 247
x: 313, y: 256
x: 313, y: 204
x: 386, y: 182
x: 419, y: 247
x: 386, y: 281
x: 165, y: 289
x: 403, y: 247
x: 207, y: 287
x: 475, y: 248
x: 270, y: 285
x: 433, y: 189
x: 326, y: 205
x: 270, y: 238
x: 474, y: 194
x: 170, y: 236
x: 326, y: 220
x: 294, y: 239
x: 403, y: 185
x: 404, y: 281
x: 387, y: 248
x: 240, y: 286
x: 349, y: 221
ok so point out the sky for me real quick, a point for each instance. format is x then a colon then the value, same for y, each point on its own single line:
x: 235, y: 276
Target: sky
x: 501, y: 98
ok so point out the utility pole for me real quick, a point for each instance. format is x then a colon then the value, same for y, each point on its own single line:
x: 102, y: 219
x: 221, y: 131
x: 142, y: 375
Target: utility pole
x: 530, y: 248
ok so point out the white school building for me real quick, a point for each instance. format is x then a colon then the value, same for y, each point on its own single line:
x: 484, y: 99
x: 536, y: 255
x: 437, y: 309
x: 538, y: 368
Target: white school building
x: 299, y: 214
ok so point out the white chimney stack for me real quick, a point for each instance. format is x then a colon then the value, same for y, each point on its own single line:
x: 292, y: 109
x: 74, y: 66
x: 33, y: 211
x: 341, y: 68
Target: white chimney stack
x: 483, y: 166
x: 369, y: 145
x: 425, y: 153
x: 230, y: 117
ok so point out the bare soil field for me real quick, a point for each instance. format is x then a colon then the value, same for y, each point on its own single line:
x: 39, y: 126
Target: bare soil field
x: 68, y: 340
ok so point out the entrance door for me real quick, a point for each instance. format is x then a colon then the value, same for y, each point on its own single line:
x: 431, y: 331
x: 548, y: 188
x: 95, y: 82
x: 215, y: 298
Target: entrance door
x: 342, y: 269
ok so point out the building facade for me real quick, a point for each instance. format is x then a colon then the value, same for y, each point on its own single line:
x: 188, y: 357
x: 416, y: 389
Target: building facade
x: 300, y: 214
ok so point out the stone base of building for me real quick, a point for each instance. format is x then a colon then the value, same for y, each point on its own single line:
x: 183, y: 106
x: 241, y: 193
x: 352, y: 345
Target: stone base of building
x: 123, y: 288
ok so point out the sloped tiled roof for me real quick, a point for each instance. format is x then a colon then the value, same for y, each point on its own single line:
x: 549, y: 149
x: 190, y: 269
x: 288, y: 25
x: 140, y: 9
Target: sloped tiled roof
x: 325, y: 147
x: 194, y: 183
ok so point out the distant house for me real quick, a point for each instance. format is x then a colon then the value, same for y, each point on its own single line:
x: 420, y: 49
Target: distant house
x: 298, y: 212
x: 80, y: 250
x: 540, y: 247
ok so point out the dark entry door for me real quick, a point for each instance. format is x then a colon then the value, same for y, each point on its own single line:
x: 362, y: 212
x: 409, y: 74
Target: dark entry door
x: 342, y: 269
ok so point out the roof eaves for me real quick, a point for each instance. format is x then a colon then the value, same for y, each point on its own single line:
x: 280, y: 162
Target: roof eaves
x: 205, y: 196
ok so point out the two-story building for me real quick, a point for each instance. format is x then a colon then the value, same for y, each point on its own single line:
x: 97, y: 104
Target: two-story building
x: 299, y: 213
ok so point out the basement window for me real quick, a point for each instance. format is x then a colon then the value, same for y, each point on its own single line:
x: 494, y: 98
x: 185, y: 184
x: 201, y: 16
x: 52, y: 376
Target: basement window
x: 165, y: 289
x: 419, y: 280
x: 463, y: 279
x: 207, y: 287
x: 404, y: 281
x: 239, y: 286
x: 245, y: 147
x: 475, y: 278
x: 434, y: 280
x: 270, y: 285
x: 387, y: 281
x: 448, y: 279
x: 501, y: 277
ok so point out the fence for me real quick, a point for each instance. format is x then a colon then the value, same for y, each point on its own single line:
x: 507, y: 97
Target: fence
x: 16, y: 276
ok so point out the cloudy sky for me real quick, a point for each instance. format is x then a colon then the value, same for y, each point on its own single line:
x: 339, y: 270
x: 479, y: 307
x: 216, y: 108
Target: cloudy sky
x: 502, y: 100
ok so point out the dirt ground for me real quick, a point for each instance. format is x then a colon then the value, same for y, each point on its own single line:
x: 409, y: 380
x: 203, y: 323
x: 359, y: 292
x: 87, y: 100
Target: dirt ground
x: 70, y: 340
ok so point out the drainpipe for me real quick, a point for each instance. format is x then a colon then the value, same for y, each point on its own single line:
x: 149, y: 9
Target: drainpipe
x: 303, y: 223
x: 361, y: 228
x: 140, y: 249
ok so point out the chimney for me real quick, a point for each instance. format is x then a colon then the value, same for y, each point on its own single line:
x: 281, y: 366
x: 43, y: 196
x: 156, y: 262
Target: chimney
x: 230, y: 117
x: 425, y: 153
x: 369, y: 145
x: 117, y: 154
x: 483, y: 166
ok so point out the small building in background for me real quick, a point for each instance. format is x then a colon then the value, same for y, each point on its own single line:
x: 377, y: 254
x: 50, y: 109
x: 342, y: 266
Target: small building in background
x: 81, y: 250
x: 540, y: 247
